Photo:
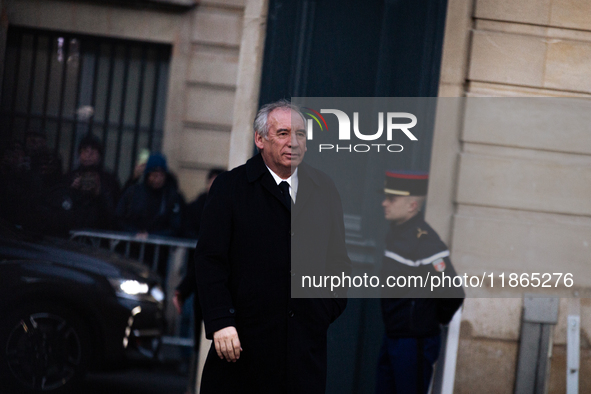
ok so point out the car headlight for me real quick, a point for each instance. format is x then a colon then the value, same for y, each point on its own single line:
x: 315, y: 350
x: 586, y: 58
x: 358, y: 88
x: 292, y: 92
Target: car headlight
x: 157, y: 293
x: 129, y: 288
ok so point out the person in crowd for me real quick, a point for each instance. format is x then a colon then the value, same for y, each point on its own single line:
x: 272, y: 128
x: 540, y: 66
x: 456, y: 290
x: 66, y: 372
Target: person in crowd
x: 154, y: 206
x: 28, y: 171
x: 90, y: 176
x: 138, y: 170
x: 35, y: 142
x: 85, y: 198
x: 188, y: 286
x: 12, y: 158
x: 46, y: 168
x: 15, y: 181
x: 195, y: 208
x: 412, y: 320
x: 46, y: 179
x: 264, y: 341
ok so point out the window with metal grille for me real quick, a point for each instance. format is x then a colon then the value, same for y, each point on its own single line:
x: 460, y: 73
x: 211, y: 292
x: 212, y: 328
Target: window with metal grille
x: 68, y: 85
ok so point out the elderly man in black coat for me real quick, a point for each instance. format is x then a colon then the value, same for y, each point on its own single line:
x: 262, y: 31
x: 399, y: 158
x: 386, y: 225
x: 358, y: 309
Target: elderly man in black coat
x: 258, y: 217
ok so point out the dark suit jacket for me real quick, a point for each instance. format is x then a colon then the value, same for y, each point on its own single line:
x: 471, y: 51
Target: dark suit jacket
x: 244, y: 276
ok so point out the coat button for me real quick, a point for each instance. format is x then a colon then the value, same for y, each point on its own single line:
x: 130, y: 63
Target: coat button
x: 291, y: 313
x: 232, y: 310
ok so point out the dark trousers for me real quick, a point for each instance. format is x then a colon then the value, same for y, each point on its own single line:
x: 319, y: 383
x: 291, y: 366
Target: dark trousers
x: 405, y: 365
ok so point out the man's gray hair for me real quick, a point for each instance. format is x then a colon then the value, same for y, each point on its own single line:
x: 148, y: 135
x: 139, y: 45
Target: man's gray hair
x: 260, y: 121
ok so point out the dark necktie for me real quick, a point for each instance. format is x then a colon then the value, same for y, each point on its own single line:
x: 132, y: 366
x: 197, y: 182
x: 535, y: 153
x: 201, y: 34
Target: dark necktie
x: 284, y: 187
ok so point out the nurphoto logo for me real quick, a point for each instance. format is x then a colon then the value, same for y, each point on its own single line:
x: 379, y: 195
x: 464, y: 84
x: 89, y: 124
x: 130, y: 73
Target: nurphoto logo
x: 394, y: 123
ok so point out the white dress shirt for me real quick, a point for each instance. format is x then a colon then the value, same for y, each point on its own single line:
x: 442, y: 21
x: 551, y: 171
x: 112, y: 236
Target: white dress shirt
x: 292, y: 181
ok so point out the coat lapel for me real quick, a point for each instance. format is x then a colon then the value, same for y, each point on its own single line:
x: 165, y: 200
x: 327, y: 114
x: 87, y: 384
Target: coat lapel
x: 269, y: 183
x: 307, y: 185
x: 256, y: 169
x: 308, y: 182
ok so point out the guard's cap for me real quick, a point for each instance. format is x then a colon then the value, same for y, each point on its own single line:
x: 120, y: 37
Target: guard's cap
x: 406, y: 183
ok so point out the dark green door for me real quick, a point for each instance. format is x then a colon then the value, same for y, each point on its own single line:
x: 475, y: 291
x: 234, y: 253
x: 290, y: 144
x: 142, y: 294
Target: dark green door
x: 354, y: 48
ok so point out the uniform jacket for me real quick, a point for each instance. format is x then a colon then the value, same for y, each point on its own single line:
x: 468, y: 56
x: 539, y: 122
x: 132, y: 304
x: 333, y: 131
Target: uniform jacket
x: 243, y: 278
x: 414, y: 249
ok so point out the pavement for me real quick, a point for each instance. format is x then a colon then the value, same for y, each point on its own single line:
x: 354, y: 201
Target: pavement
x: 159, y: 379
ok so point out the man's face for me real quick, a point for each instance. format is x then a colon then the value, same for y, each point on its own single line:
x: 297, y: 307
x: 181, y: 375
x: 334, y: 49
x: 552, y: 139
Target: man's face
x: 89, y: 156
x: 285, y: 145
x: 156, y: 179
x: 398, y: 208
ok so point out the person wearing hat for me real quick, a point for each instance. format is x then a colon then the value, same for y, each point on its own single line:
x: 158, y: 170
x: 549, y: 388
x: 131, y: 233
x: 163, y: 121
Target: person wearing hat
x: 155, y: 205
x: 85, y: 198
x: 412, y: 316
x: 93, y: 184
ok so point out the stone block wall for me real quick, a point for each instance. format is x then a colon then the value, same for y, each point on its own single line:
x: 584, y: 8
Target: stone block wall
x: 210, y: 91
x: 519, y: 196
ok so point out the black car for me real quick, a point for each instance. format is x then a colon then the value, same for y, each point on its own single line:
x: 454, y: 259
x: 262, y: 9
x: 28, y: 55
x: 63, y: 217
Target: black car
x: 66, y: 308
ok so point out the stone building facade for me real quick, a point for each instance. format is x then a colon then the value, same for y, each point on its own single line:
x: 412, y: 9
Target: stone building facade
x: 204, y: 65
x: 518, y: 195
x: 492, y: 48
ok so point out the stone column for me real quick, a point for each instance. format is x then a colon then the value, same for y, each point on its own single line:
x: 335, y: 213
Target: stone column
x: 250, y: 68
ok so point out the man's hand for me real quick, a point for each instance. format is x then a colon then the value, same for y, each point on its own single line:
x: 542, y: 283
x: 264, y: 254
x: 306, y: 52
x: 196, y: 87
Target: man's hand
x: 76, y: 183
x: 138, y: 171
x: 227, y: 344
x: 142, y: 235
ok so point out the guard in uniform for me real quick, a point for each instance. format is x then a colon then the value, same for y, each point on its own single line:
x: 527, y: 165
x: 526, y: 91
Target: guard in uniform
x: 412, y: 314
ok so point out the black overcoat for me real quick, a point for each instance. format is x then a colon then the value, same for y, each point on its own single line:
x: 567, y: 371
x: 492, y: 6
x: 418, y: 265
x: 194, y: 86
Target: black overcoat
x: 243, y: 267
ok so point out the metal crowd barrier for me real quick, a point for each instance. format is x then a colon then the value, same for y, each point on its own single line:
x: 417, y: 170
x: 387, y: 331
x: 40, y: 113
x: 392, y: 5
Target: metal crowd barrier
x: 177, y: 259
